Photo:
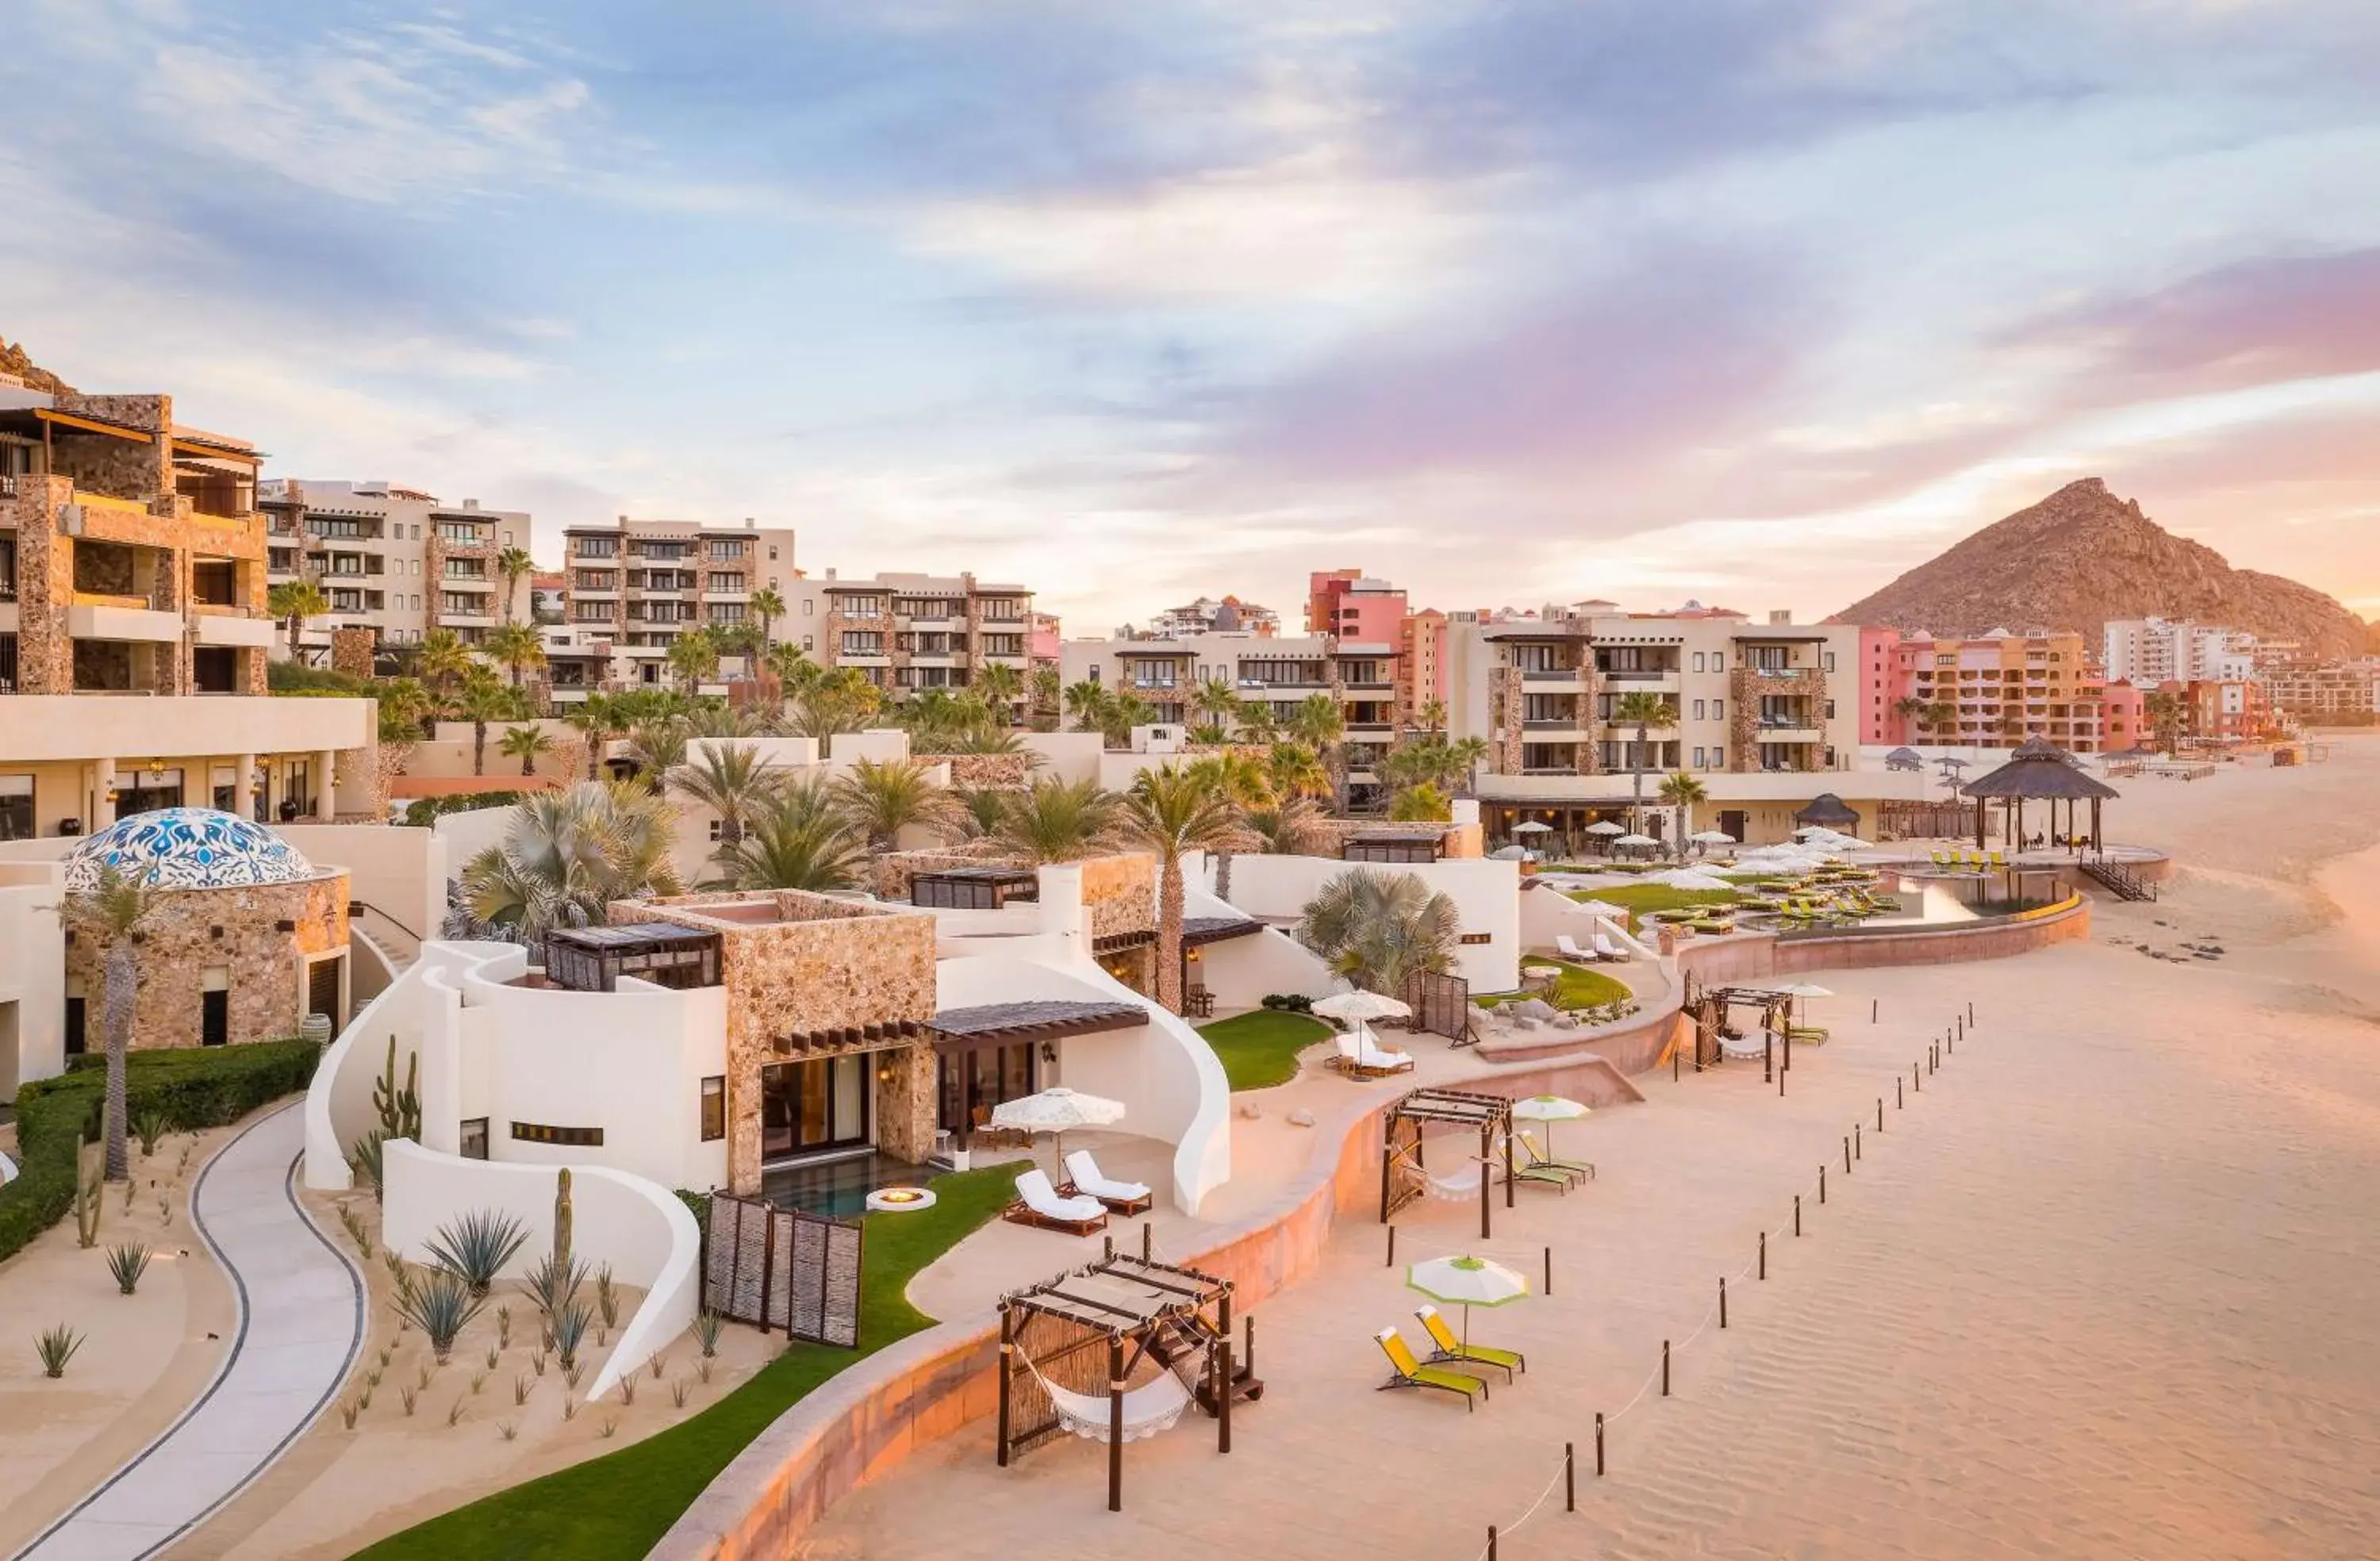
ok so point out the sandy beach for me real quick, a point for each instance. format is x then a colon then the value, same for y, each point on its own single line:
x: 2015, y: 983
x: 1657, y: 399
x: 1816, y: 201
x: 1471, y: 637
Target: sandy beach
x: 2101, y: 1289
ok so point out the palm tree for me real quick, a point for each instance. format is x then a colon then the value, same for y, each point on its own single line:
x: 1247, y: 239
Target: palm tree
x: 516, y: 646
x: 739, y: 639
x: 1911, y: 708
x: 1171, y: 812
x: 734, y: 779
x: 1257, y: 722
x: 1002, y: 686
x: 566, y: 856
x: 1422, y: 803
x: 1292, y: 828
x: 525, y: 744
x: 484, y: 699
x: 880, y: 799
x: 828, y: 700
x: 596, y: 719
x: 293, y: 602
x: 442, y: 660
x: 1381, y: 929
x: 1296, y: 771
x: 1320, y: 723
x: 983, y: 807
x: 2168, y: 717
x: 794, y: 840
x: 512, y: 566
x: 1645, y: 712
x: 1045, y: 690
x: 1218, y: 702
x: 110, y: 914
x: 657, y: 745
x: 1682, y: 790
x: 403, y: 703
x: 1055, y: 820
x: 694, y: 656
x: 1119, y: 713
x: 1246, y: 786
x: 1084, y: 702
x: 1433, y: 715
x: 768, y: 606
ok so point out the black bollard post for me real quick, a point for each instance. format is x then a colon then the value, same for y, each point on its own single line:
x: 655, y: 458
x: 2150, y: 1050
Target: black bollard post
x: 1598, y: 1444
x: 1874, y: 1006
x: 1570, y: 1477
x: 1822, y: 1185
x: 1764, y: 1257
x: 1896, y: 1093
x: 1722, y: 1302
x: 1971, y: 1011
x: 1549, y: 1270
x: 1392, y: 1246
x: 1879, y: 1113
x: 1797, y: 1213
x: 1110, y: 1249
x: 1148, y: 1241
x: 1664, y: 1367
x: 1491, y: 1541
x: 1859, y: 1149
x: 1768, y: 1060
x: 1847, y: 1154
x: 1917, y: 1077
x: 1674, y: 1065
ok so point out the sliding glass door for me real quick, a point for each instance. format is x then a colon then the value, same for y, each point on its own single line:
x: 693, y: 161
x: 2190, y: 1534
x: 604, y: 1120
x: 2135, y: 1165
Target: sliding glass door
x: 819, y: 1104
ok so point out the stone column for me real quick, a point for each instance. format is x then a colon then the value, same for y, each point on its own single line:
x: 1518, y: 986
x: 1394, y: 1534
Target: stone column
x: 103, y: 806
x: 326, y: 806
x: 243, y: 786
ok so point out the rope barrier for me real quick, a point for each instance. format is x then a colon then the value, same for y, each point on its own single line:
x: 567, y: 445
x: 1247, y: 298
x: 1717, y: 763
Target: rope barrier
x: 1670, y: 1349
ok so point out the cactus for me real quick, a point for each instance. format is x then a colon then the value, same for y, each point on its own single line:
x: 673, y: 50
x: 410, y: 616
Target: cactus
x: 400, y: 1109
x: 561, y: 1218
x: 88, y: 1188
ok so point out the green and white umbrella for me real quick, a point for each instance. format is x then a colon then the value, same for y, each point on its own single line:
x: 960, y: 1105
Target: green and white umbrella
x: 1548, y: 1109
x: 1466, y: 1282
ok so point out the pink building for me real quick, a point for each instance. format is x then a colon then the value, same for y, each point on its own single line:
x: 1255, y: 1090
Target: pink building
x: 1880, y: 686
x: 1989, y: 691
x: 1348, y: 603
x: 2123, y: 718
x: 1042, y: 645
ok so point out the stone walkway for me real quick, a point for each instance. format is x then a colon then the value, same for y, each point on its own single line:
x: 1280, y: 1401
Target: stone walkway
x: 301, y: 1319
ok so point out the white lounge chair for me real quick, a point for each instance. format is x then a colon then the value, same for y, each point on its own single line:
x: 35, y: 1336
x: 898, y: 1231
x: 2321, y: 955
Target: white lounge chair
x: 1120, y: 1197
x: 1359, y: 1057
x: 1039, y: 1203
x: 1608, y: 948
x: 1568, y: 949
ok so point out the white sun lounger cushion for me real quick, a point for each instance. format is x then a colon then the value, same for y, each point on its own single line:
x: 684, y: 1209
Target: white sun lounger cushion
x: 1042, y: 1199
x: 1086, y: 1172
x: 1359, y: 1051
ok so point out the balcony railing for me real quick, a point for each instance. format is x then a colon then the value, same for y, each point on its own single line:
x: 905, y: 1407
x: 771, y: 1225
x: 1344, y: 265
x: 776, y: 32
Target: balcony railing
x: 1639, y: 674
x: 8, y: 484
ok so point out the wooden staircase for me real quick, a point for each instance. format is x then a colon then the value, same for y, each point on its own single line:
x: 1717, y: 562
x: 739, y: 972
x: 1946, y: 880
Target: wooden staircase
x: 2118, y: 879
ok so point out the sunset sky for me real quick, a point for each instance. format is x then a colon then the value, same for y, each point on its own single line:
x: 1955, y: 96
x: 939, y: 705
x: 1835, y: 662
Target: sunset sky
x: 1751, y: 301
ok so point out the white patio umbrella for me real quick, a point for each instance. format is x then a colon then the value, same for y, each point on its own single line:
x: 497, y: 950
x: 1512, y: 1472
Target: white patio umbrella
x: 1359, y: 1008
x: 1800, y: 992
x: 1548, y: 1109
x: 1055, y: 1110
x: 1532, y: 826
x: 1712, y: 837
x: 1466, y: 1282
x: 1633, y: 842
x: 1605, y: 827
x: 1509, y: 853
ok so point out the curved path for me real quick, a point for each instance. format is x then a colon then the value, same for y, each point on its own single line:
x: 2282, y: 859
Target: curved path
x: 300, y: 1308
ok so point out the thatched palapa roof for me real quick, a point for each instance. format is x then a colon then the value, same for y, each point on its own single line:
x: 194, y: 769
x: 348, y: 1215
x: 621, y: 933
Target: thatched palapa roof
x: 2039, y: 770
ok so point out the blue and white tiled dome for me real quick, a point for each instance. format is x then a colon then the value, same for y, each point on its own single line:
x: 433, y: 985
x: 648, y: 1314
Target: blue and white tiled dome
x: 187, y: 848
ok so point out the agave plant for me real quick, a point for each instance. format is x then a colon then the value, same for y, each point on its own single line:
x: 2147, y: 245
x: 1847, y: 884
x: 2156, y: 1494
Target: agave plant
x: 706, y: 1332
x: 150, y: 1127
x: 126, y: 1263
x: 441, y: 1306
x: 554, y: 1285
x: 368, y: 1163
x: 56, y: 1346
x: 476, y: 1246
x: 607, y: 1297
x: 570, y: 1325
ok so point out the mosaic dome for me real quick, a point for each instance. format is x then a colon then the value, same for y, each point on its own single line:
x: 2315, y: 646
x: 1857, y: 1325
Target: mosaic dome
x: 187, y: 848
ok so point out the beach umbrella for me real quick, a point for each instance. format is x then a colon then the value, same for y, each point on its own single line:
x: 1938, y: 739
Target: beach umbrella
x: 1359, y: 1008
x: 1466, y: 1282
x: 1605, y: 827
x: 1531, y: 826
x: 1548, y: 1109
x: 1055, y: 1110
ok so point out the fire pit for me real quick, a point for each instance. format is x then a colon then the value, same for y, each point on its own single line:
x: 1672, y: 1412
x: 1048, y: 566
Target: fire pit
x: 900, y: 1200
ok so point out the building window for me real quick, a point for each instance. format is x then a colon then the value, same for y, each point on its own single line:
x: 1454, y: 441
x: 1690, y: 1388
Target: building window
x: 806, y: 638
x: 1826, y: 661
x: 714, y: 1108
x: 539, y: 1133
x: 1719, y: 709
x: 1701, y: 759
x: 475, y: 1138
x: 15, y: 807
x: 808, y: 602
x: 1701, y: 662
x: 772, y: 552
x: 1718, y: 660
x: 1719, y: 759
x: 1699, y: 704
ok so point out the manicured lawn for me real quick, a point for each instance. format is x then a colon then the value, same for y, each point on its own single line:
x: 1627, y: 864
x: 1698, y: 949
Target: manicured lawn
x: 620, y: 1504
x: 1577, y: 986
x: 1259, y: 1049
x: 1642, y: 899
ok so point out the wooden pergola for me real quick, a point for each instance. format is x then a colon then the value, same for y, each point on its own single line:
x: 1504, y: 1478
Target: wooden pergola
x: 1404, y: 1174
x: 1082, y: 1336
x: 2043, y: 772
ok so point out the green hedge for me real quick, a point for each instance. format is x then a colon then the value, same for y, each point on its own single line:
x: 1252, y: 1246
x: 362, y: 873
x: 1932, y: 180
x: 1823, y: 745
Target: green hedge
x: 422, y: 812
x: 200, y: 1087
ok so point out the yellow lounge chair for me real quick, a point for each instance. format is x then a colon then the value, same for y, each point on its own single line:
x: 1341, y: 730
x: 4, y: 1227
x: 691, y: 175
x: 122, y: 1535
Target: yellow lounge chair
x: 1452, y: 1349
x: 1409, y: 1373
x: 1539, y: 1157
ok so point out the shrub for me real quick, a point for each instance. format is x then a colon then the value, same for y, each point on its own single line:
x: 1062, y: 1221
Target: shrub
x: 706, y: 1331
x: 196, y: 1088
x: 56, y: 1346
x: 126, y: 1264
x: 148, y: 1127
x: 367, y: 1161
x: 475, y: 1246
x: 422, y: 811
x: 1289, y: 1002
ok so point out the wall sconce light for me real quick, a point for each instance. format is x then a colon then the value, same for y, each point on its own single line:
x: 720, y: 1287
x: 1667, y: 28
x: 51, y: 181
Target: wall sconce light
x: 884, y: 1073
x: 156, y: 768
x: 1050, y: 1051
x: 1195, y: 955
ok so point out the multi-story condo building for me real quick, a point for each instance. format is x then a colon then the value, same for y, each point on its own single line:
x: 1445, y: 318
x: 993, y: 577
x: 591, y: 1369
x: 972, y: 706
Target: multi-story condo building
x: 910, y: 633
x: 394, y: 559
x: 2148, y: 651
x: 1279, y: 672
x: 631, y: 588
x: 1764, y: 715
x: 2338, y: 691
x: 1208, y: 615
x: 1992, y: 691
x: 134, y: 631
x: 1353, y: 605
x: 1421, y: 660
x: 131, y: 554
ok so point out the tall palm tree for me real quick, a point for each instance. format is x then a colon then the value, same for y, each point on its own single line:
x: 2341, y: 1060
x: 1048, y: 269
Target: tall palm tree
x: 1433, y: 715
x: 566, y: 856
x: 734, y: 779
x: 794, y: 840
x: 1682, y: 791
x: 516, y: 646
x: 596, y: 719
x: 694, y: 656
x: 768, y: 606
x: 1171, y: 812
x: 1296, y: 771
x: 1119, y: 713
x: 442, y: 660
x: 484, y: 699
x: 110, y: 915
x: 1379, y: 929
x: 512, y: 566
x: 293, y: 602
x: 1255, y: 722
x: 1648, y: 713
x: 1246, y: 786
x: 1911, y: 708
x: 1419, y: 803
x: 1002, y: 686
x: 657, y: 745
x: 1321, y: 724
x: 1084, y: 701
x: 881, y: 798
x: 403, y: 703
x: 833, y: 700
x: 1217, y: 703
x: 1055, y: 820
x: 1046, y: 694
x: 739, y: 639
x: 527, y: 744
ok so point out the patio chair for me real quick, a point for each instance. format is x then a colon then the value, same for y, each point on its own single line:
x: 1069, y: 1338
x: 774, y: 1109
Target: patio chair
x: 1607, y: 948
x: 1539, y: 1157
x: 1808, y: 1035
x: 1528, y: 1166
x: 1452, y: 1349
x: 1037, y: 1203
x: 1407, y: 1372
x: 1568, y: 948
x: 1083, y: 1180
x: 1359, y: 1058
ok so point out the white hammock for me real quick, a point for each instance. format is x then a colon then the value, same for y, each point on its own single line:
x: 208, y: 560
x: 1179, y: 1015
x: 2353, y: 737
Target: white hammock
x: 1463, y: 1184
x: 1152, y: 1406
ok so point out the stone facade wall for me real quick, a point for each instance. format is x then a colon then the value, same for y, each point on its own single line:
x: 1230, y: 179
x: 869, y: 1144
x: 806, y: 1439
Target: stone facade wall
x: 1746, y: 687
x: 1590, y: 692
x: 1120, y: 893
x: 194, y: 930
x: 352, y: 651
x: 985, y: 772
x: 890, y: 872
x: 1504, y: 700
x: 832, y: 963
